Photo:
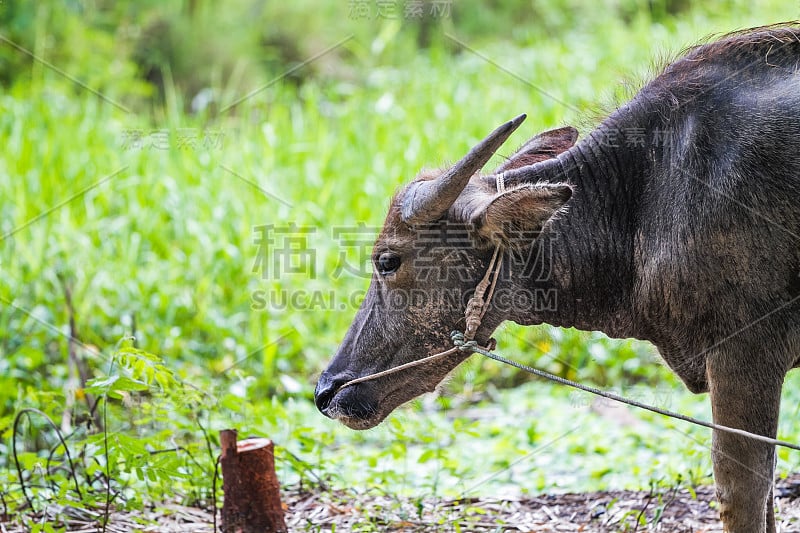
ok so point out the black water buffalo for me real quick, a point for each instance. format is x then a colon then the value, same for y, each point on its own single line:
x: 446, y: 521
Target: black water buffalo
x: 676, y: 221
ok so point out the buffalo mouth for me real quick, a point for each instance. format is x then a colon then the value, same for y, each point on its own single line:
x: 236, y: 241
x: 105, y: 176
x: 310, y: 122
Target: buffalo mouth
x: 365, y: 405
x: 354, y: 407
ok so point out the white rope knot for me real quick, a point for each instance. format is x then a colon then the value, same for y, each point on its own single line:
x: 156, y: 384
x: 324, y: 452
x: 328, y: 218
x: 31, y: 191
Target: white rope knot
x: 500, y: 181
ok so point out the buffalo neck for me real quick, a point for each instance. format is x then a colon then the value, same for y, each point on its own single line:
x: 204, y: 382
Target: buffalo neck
x: 589, y: 248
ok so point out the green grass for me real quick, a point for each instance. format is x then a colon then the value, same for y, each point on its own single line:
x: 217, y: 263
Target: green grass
x: 158, y: 240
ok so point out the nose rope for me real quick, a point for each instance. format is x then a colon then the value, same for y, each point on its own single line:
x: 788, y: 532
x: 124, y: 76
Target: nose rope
x: 476, y: 310
x: 464, y: 342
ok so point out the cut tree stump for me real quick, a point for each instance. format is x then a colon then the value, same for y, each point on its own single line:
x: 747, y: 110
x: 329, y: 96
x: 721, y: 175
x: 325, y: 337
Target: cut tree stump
x: 252, y: 501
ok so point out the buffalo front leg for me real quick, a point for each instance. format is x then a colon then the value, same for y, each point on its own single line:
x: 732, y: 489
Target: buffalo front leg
x: 746, y: 398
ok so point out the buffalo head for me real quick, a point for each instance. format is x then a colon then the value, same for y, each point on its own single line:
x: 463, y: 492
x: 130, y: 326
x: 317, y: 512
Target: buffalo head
x: 436, y: 243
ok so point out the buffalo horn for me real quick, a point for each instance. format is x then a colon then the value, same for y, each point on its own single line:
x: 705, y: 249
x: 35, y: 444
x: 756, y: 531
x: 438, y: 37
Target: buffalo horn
x: 427, y: 201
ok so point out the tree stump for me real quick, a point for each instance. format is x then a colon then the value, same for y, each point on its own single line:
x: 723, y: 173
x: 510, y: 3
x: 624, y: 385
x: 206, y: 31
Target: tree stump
x: 252, y: 501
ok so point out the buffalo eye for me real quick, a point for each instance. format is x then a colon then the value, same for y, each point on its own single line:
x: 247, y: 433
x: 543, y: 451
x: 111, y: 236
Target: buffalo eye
x: 388, y: 263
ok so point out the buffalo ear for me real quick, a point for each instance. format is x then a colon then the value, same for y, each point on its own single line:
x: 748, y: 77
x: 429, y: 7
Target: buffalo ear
x: 546, y: 145
x: 514, y: 218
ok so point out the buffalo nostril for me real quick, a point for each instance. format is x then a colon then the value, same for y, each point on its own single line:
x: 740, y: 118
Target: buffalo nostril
x: 323, y: 398
x: 325, y: 391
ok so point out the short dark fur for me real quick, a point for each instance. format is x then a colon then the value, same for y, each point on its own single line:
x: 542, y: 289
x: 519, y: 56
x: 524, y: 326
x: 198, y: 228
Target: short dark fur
x: 682, y: 229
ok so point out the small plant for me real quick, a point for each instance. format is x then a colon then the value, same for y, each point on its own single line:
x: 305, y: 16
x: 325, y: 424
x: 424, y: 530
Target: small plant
x: 143, y: 449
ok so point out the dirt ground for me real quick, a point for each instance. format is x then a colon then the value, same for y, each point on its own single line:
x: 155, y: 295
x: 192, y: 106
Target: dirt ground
x: 668, y: 510
x: 673, y: 511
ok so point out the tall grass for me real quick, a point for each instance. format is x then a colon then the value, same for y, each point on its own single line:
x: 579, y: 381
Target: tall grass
x: 153, y: 220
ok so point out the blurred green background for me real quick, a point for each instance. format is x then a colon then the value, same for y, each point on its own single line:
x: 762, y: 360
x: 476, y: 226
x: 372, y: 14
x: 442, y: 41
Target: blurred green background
x: 207, y: 178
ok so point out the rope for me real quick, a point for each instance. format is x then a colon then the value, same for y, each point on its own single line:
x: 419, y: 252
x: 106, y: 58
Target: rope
x: 479, y: 303
x: 472, y: 346
x: 402, y: 367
